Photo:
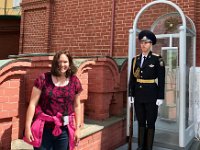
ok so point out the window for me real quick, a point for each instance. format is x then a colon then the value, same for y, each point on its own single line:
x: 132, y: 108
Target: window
x: 16, y: 3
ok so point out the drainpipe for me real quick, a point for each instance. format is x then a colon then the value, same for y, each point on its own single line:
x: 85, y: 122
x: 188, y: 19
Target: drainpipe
x: 112, y: 28
x: 50, y: 17
x: 5, y: 5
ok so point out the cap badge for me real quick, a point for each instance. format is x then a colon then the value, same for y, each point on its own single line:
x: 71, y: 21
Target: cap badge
x: 144, y: 38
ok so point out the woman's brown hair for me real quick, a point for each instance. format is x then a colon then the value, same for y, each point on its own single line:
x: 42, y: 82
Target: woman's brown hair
x: 55, y: 66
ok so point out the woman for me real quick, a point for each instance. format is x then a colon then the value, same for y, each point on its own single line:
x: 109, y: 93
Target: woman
x: 55, y: 99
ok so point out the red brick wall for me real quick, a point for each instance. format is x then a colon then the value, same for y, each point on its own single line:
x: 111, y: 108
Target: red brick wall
x: 108, y: 139
x: 85, y: 27
x: 12, y: 102
x: 105, y: 90
x: 82, y: 26
x: 35, y: 27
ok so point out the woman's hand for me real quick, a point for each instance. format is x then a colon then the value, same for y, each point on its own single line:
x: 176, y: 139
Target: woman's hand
x: 28, y: 134
x: 35, y: 95
x: 77, y: 107
x: 77, y: 136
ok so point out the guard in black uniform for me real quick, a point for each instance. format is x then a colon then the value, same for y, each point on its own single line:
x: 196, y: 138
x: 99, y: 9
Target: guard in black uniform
x: 146, y: 85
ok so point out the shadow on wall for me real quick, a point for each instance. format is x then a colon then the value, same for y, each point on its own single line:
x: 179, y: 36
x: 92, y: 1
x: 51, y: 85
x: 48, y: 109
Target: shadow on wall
x: 9, y: 36
x: 6, y: 130
x: 23, y: 104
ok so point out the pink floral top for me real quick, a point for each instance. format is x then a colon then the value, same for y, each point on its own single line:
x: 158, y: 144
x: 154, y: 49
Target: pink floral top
x: 56, y: 99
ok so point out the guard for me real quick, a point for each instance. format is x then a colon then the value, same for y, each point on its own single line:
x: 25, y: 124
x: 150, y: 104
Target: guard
x: 146, y: 86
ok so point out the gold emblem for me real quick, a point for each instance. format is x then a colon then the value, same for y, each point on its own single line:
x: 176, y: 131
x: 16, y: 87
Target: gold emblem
x: 137, y: 73
x: 151, y: 66
x: 161, y: 62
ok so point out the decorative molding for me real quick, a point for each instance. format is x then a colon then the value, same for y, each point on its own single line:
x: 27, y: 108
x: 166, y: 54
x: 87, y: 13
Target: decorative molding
x: 35, y: 2
x: 33, y: 5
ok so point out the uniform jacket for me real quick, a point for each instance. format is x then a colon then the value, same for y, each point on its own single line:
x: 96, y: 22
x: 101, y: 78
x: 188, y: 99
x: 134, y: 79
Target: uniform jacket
x: 152, y: 68
x: 38, y: 127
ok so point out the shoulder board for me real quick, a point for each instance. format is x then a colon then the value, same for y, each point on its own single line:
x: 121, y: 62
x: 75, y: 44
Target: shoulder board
x: 137, y: 55
x: 155, y: 54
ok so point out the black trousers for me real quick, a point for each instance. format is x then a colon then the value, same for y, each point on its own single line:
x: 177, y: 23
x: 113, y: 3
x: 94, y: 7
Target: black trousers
x: 146, y: 114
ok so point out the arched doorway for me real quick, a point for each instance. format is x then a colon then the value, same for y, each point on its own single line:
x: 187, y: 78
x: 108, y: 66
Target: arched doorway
x: 176, y: 36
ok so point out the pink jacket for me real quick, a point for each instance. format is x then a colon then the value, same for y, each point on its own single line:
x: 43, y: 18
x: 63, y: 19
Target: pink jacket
x: 38, y: 126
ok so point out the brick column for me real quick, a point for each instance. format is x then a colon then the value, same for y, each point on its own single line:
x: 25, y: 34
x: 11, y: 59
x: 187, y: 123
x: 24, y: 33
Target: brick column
x: 35, y: 26
x: 105, y: 98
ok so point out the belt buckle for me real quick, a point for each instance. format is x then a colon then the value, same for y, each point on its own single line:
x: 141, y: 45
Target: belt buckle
x: 65, y: 120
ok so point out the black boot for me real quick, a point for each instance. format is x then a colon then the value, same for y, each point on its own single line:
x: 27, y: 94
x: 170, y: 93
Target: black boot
x: 141, y: 138
x: 150, y: 138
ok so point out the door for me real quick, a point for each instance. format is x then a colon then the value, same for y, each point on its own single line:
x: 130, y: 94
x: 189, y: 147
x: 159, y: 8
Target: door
x: 167, y: 124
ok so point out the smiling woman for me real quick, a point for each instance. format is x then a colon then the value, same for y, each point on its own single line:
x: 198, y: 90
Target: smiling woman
x: 56, y: 104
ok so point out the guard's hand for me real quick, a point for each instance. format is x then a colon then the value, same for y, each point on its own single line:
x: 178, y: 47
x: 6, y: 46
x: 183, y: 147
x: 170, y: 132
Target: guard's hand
x: 159, y: 102
x: 131, y: 99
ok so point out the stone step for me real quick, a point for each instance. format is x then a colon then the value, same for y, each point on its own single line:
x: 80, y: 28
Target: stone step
x: 20, y: 145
